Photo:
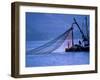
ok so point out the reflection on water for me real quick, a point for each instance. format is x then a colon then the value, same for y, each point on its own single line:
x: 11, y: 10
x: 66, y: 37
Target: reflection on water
x: 57, y: 59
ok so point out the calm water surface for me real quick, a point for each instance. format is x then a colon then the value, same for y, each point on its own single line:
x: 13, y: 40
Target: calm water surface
x: 57, y: 59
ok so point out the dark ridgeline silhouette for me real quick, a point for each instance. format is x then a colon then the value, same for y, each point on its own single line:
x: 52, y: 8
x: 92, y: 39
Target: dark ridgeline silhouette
x: 52, y: 45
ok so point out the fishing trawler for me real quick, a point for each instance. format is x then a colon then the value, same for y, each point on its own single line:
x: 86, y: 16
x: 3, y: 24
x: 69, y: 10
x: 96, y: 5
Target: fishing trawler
x: 49, y: 47
x: 82, y: 45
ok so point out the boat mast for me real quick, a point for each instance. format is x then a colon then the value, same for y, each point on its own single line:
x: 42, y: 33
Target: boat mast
x: 87, y: 34
x: 72, y: 38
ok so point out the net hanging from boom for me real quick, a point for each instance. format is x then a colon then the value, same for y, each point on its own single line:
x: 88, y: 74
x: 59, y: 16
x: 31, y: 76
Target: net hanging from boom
x: 52, y: 45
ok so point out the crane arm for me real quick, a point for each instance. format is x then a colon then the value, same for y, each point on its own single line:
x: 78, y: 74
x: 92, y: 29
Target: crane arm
x: 83, y: 36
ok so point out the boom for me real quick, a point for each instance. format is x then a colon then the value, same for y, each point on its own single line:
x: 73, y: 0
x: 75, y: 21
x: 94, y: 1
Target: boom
x: 83, y: 36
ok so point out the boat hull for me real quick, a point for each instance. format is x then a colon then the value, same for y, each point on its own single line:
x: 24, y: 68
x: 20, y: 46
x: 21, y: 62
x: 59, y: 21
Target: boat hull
x: 73, y: 49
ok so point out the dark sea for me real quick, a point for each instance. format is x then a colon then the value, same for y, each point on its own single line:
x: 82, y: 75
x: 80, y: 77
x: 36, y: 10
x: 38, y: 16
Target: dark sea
x: 56, y: 58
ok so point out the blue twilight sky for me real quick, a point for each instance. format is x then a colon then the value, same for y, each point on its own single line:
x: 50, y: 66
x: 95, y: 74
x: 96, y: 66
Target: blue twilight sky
x: 47, y: 26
